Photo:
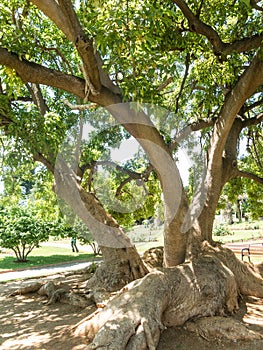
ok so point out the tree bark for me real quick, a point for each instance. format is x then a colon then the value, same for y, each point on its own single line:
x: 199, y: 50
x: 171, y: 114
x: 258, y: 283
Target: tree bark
x: 135, y: 318
x: 122, y: 263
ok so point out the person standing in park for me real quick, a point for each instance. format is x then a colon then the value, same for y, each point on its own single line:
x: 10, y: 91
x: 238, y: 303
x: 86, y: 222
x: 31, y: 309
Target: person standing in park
x: 74, y: 245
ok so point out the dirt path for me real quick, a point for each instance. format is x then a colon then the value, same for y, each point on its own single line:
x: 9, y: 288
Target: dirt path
x: 27, y: 322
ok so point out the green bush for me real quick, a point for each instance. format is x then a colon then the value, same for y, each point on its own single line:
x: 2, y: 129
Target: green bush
x: 21, y: 231
x: 221, y: 230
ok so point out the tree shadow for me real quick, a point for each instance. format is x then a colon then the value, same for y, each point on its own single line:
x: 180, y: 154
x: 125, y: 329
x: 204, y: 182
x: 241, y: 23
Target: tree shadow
x: 27, y: 322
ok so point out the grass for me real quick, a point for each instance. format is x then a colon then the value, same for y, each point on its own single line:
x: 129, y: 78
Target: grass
x: 45, y: 255
x: 243, y: 231
x: 59, y: 251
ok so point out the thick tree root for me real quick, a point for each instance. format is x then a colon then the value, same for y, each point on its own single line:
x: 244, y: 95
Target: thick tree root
x: 211, y: 328
x: 26, y: 288
x: 112, y: 277
x: 135, y: 318
x: 248, y: 277
x: 54, y: 293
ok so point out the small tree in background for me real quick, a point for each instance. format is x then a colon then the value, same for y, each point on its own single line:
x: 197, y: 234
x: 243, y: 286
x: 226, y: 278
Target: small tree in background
x: 21, y: 231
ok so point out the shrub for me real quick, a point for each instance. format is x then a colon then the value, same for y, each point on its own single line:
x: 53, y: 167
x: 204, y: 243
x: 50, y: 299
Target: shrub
x: 21, y: 231
x: 221, y: 230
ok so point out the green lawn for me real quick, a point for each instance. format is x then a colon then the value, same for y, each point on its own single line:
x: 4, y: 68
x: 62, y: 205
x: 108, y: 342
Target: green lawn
x: 238, y: 232
x: 243, y: 231
x: 45, y: 255
x: 59, y: 251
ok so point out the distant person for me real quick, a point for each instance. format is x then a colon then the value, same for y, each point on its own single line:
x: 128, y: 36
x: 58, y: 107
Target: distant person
x: 74, y: 245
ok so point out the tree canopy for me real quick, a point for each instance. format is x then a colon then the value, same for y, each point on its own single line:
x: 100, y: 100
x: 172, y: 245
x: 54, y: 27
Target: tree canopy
x: 201, y: 62
x: 171, y: 74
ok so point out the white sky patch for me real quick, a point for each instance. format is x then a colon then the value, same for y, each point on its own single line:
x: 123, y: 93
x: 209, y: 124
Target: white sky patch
x: 130, y: 147
x: 183, y: 165
x: 127, y: 150
x: 242, y: 148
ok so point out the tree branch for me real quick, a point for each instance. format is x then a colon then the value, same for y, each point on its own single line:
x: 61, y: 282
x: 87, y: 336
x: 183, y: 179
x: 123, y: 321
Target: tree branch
x: 35, y: 73
x: 220, y: 48
x: 83, y: 107
x: 253, y: 105
x: 245, y: 87
x: 252, y: 121
x: 40, y: 158
x: 38, y: 98
x: 52, y: 10
x: 248, y: 175
x: 255, y: 6
x: 112, y: 164
x: 199, y: 125
x: 63, y: 15
x: 132, y: 175
x: 187, y: 65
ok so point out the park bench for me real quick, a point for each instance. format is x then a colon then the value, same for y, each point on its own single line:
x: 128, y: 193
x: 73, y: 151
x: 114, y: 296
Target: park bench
x: 255, y: 249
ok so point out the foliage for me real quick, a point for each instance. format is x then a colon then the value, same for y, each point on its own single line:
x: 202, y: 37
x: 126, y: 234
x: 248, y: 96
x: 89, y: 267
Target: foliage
x: 221, y: 230
x: 48, y: 256
x: 247, y: 192
x: 152, y: 53
x: 21, y: 231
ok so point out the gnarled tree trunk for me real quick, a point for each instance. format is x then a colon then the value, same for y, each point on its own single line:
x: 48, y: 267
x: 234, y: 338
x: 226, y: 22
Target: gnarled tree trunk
x: 135, y: 318
x: 207, y: 286
x: 121, y: 261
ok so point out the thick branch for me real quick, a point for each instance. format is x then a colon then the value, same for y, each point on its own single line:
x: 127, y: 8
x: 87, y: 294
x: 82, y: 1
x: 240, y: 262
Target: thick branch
x: 63, y: 15
x: 35, y: 73
x: 52, y: 10
x: 243, y: 45
x: 253, y: 121
x: 40, y: 158
x: 245, y: 87
x: 248, y: 175
x: 219, y: 47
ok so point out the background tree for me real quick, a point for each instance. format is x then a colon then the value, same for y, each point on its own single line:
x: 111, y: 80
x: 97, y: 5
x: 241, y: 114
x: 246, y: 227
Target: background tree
x: 21, y: 231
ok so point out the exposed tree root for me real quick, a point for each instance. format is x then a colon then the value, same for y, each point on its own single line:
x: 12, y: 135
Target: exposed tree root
x: 117, y: 273
x: 259, y: 269
x: 25, y: 288
x: 135, y: 318
x: 153, y: 257
x: 248, y: 277
x: 211, y: 328
x: 133, y: 315
x: 54, y: 293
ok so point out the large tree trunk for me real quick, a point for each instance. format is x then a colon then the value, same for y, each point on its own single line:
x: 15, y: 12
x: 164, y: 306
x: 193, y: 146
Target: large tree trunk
x: 135, y: 318
x: 121, y: 261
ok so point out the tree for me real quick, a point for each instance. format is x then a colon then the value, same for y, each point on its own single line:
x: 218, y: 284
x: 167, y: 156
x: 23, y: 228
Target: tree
x: 21, y: 231
x: 204, y: 62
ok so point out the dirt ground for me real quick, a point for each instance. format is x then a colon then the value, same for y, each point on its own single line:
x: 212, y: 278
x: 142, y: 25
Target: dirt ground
x: 27, y: 322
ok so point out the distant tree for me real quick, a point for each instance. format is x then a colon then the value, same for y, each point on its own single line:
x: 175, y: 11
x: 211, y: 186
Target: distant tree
x: 21, y: 231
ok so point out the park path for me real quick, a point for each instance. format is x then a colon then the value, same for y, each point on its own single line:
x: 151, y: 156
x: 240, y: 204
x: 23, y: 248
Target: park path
x: 43, y: 271
x: 74, y: 266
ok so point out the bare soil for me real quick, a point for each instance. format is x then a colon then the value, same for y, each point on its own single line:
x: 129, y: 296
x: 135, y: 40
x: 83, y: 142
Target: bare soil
x: 27, y: 322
